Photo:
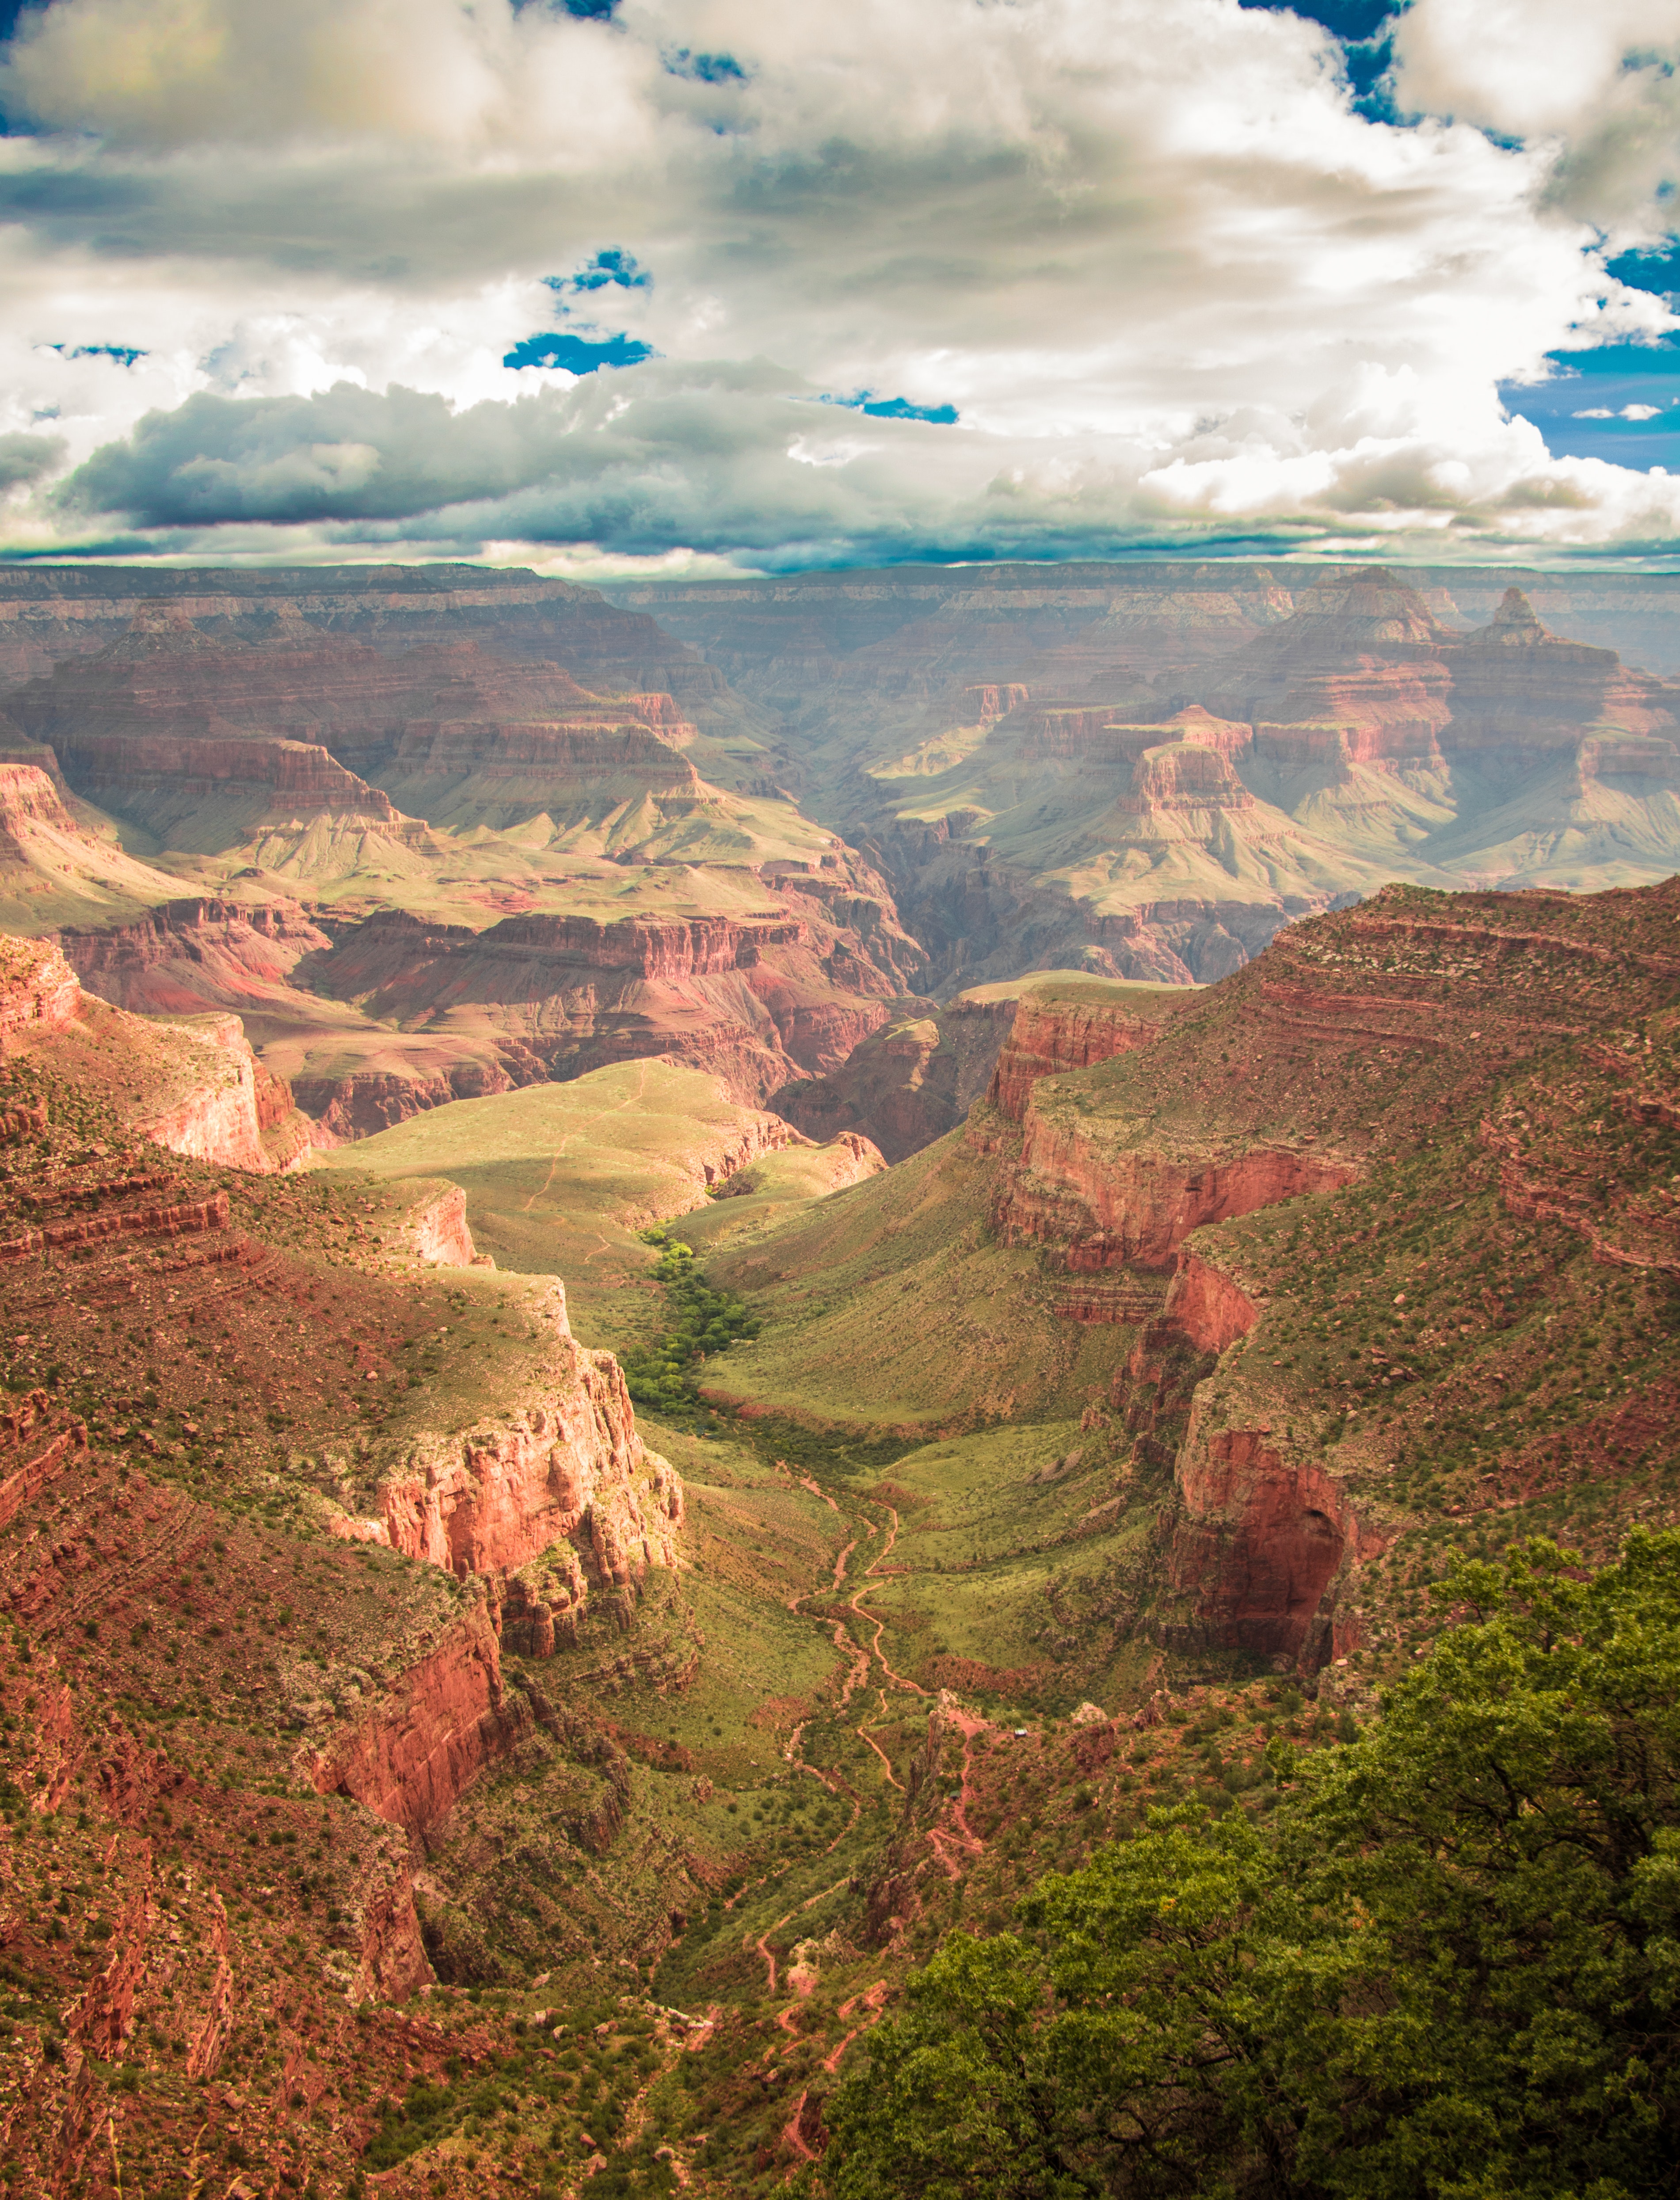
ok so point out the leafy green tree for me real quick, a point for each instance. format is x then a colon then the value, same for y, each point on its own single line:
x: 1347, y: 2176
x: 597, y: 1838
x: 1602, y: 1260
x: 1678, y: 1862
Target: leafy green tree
x: 1449, y: 1968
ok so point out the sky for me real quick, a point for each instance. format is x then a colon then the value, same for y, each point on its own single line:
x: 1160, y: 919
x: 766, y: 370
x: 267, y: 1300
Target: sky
x: 690, y: 287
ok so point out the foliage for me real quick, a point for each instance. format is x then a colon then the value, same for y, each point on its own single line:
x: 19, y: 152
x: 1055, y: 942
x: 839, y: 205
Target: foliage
x: 1450, y: 1970
x: 664, y: 1376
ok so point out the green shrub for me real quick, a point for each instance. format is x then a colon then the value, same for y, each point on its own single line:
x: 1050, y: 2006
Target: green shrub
x: 1447, y: 1968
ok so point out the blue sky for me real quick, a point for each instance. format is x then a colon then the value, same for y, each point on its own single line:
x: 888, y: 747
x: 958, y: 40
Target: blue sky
x: 703, y: 285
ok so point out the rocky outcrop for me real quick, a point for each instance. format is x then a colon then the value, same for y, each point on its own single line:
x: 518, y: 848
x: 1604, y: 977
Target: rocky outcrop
x: 1209, y: 1305
x: 359, y: 1104
x: 1108, y: 1208
x: 234, y: 1114
x: 1266, y: 1552
x: 1518, y: 687
x: 35, y: 1437
x: 102, y: 2019
x: 755, y: 1001
x: 490, y: 1501
x: 197, y: 1088
x: 565, y: 1480
x: 907, y: 1084
x: 1055, y: 1031
x: 38, y: 992
x: 413, y: 1756
x: 438, y: 1229
x: 115, y: 1216
x: 167, y: 782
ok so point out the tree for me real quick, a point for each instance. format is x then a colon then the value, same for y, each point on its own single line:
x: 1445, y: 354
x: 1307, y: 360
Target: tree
x: 1448, y: 1970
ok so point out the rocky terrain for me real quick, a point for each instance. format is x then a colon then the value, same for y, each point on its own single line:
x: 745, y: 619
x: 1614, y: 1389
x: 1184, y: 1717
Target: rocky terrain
x: 437, y: 1005
x: 429, y: 1770
x: 761, y: 826
x: 1145, y: 771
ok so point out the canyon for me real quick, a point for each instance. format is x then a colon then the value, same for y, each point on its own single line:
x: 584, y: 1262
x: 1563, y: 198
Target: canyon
x: 1120, y: 1119
x: 1145, y: 771
x: 765, y: 828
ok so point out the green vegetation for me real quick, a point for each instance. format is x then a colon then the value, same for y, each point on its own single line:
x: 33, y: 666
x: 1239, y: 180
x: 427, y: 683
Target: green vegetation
x: 664, y: 1376
x: 1447, y: 1969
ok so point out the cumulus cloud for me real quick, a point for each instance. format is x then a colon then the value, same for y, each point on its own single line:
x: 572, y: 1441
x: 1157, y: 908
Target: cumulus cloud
x: 1084, y: 271
x: 728, y: 460
x: 26, y: 458
x: 1598, y: 82
x: 426, y: 74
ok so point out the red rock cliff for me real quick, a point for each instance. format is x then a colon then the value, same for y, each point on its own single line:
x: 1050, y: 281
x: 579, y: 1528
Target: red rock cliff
x: 38, y: 992
x: 1268, y: 1547
x: 755, y: 1001
x: 447, y: 1719
x: 196, y: 1088
x: 567, y: 1469
x: 1211, y: 1308
x: 120, y: 770
x: 1052, y: 1034
x: 1120, y: 1208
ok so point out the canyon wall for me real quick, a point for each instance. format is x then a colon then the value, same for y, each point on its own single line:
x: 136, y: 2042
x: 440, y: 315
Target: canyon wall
x: 1056, y: 1029
x: 196, y: 1088
x: 1268, y: 1541
x: 907, y: 1084
x: 447, y: 1719
x: 47, y: 616
x: 566, y: 1469
x: 757, y: 1002
x: 206, y: 793
x: 1105, y: 1209
x: 38, y: 992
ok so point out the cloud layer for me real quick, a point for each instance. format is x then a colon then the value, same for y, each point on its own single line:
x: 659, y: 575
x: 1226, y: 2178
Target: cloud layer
x: 295, y: 280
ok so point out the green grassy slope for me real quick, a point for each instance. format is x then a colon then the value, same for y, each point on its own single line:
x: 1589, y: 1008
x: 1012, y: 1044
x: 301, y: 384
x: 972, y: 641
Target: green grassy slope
x: 891, y: 1306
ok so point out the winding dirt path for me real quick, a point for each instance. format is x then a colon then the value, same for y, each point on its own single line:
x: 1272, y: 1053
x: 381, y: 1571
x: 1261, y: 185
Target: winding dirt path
x: 899, y: 1680
x: 803, y: 1991
x: 964, y: 1839
x: 874, y: 1999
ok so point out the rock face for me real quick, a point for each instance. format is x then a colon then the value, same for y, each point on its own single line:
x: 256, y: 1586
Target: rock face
x: 194, y: 953
x: 753, y: 1001
x: 1072, y: 1027
x: 198, y: 735
x: 410, y: 1761
x: 190, y: 957
x: 38, y: 992
x: 1206, y: 1304
x: 207, y: 794
x: 61, y: 862
x: 1267, y: 1546
x: 1371, y: 1034
x: 441, y: 1234
x: 1137, y: 1214
x: 233, y: 1113
x: 196, y: 1088
x: 46, y: 618
x: 907, y: 1083
x: 566, y: 1469
x: 1200, y: 755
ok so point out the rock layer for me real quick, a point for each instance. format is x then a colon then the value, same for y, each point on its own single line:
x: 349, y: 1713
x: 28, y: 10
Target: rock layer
x: 907, y: 1083
x: 1103, y: 1209
x: 753, y: 1001
x: 195, y: 1088
x: 1054, y: 1030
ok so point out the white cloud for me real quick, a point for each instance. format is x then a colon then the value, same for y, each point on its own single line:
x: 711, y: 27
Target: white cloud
x: 475, y: 79
x: 1598, y: 81
x: 1170, y: 278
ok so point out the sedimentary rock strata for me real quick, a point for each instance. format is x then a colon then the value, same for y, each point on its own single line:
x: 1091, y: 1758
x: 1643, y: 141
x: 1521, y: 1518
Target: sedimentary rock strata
x: 754, y: 1001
